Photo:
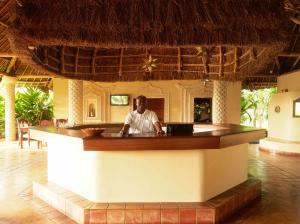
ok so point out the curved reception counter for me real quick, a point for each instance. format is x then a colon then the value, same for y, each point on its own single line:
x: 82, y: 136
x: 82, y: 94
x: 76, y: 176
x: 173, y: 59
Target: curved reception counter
x: 193, y: 178
x: 148, y: 168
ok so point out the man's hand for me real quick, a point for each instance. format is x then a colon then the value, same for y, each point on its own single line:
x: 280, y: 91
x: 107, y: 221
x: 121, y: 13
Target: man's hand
x: 122, y: 133
x: 158, y: 128
x: 160, y: 132
x: 124, y: 130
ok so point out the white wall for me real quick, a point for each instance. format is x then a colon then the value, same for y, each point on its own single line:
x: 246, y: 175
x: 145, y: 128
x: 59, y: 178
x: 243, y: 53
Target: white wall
x: 178, y: 94
x: 233, y: 103
x: 283, y: 125
x: 290, y: 82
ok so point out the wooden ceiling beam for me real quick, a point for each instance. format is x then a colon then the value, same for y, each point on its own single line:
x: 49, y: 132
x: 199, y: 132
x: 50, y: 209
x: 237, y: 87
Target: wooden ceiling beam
x: 45, y: 54
x: 11, y: 65
x: 76, y: 61
x: 179, y: 65
x: 221, y: 69
x: 295, y: 63
x: 62, y: 60
x: 7, y: 55
x: 293, y: 54
x: 34, y: 76
x: 205, y: 61
x: 277, y: 63
x: 236, y: 60
x: 121, y: 61
x: 3, y: 24
x: 94, y: 61
x: 260, y: 76
x: 253, y: 54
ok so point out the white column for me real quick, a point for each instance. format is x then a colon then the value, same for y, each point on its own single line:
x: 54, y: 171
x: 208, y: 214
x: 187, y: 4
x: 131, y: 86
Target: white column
x: 9, y: 83
x: 75, y: 102
x: 219, y: 102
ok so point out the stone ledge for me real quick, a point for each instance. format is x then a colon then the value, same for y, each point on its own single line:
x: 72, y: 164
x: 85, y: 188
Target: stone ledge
x: 84, y: 211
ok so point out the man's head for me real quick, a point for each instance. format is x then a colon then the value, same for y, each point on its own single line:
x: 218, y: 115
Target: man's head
x: 141, y: 104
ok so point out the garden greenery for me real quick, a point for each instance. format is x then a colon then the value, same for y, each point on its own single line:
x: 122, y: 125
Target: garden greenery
x: 254, y: 107
x: 32, y: 104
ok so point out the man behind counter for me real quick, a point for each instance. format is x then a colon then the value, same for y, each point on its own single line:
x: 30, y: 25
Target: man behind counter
x: 141, y: 120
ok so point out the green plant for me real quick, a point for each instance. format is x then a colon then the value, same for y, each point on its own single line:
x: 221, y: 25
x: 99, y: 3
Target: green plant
x: 254, y: 106
x: 34, y: 105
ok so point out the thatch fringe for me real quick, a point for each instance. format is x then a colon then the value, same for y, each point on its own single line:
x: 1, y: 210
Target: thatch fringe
x: 105, y: 65
x: 116, y: 23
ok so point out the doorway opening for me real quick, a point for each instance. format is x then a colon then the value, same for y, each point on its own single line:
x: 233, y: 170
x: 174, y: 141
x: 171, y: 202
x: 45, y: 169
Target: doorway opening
x: 155, y: 104
x: 203, y: 110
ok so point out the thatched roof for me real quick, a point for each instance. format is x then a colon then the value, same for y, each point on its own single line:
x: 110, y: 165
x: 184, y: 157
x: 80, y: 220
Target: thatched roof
x: 26, y: 75
x: 141, y: 23
x: 128, y: 40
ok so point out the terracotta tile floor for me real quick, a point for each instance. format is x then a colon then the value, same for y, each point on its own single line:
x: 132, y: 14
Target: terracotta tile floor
x: 280, y: 176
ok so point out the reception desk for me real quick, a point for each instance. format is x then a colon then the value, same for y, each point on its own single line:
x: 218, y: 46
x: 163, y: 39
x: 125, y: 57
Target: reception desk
x: 148, y: 168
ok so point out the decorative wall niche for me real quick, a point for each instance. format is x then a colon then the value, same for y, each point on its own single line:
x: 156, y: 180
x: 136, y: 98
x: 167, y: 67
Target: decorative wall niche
x: 296, y: 108
x: 277, y: 109
x: 94, y: 103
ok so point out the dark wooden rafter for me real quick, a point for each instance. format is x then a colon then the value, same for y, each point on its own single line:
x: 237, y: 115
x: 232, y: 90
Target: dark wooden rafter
x: 62, y: 60
x: 237, y: 54
x: 11, y: 64
x: 277, y: 64
x: 3, y: 24
x: 24, y: 71
x: 93, y: 65
x: 221, y: 62
x: 45, y: 55
x: 253, y: 54
x: 179, y: 65
x: 121, y: 61
x: 76, y: 61
x: 287, y: 54
x: 295, y: 37
x: 246, y: 54
x: 295, y: 63
x: 7, y: 55
x: 203, y: 53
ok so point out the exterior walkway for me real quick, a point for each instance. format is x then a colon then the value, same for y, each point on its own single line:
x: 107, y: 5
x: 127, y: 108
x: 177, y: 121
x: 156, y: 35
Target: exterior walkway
x: 280, y: 177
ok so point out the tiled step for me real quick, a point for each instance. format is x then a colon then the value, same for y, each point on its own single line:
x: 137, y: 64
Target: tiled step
x: 84, y: 211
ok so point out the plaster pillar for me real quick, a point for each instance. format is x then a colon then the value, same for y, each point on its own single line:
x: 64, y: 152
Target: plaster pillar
x: 75, y: 109
x: 219, y: 102
x: 9, y: 83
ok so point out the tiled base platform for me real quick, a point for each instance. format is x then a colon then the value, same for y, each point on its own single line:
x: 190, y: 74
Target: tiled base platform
x: 84, y: 211
x: 280, y: 147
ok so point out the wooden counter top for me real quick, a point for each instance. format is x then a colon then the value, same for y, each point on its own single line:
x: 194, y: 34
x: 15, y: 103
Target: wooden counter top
x: 223, y: 136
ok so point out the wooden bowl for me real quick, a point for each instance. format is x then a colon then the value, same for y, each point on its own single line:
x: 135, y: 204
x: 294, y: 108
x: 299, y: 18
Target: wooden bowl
x: 90, y: 132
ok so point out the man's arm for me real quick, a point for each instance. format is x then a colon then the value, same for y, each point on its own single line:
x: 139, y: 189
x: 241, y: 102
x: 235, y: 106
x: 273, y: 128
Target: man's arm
x: 125, y: 129
x: 158, y: 128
